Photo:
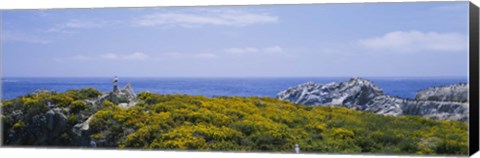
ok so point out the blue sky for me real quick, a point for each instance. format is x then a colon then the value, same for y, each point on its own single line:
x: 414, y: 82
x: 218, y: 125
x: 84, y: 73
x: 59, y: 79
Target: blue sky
x: 376, y: 39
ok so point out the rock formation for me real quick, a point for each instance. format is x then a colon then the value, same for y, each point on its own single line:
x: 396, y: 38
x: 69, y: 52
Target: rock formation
x: 454, y: 93
x: 81, y: 133
x: 361, y: 94
x: 124, y: 95
x: 42, y: 129
x: 124, y: 98
x: 48, y: 124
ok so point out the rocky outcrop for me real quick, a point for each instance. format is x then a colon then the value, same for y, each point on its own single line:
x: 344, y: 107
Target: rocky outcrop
x: 81, y: 133
x: 354, y: 92
x: 128, y: 92
x: 361, y: 94
x: 452, y: 93
x: 124, y: 97
x: 42, y: 129
x: 48, y: 124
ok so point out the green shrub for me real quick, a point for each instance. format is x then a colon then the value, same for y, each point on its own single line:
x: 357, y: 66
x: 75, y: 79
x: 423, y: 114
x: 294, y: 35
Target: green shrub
x: 18, y: 125
x: 107, y: 103
x: 84, y: 93
x: 72, y: 120
x: 184, y: 122
x: 266, y: 124
x: 78, y: 106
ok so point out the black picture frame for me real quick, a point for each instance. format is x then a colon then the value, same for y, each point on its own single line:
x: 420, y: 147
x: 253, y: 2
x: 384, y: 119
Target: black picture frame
x: 473, y: 79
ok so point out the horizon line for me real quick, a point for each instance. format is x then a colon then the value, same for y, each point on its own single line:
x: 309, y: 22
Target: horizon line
x: 433, y: 76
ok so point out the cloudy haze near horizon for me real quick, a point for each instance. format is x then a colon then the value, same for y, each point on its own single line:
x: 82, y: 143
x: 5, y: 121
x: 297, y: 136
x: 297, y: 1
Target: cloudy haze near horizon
x: 376, y: 39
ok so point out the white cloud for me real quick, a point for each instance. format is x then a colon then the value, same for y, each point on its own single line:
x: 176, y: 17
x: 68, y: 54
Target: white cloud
x: 253, y: 50
x: 416, y: 41
x: 137, y: 56
x: 84, y: 24
x: 23, y: 37
x: 71, y: 26
x: 59, y: 30
x: 205, y: 17
x: 204, y: 55
x: 242, y: 50
x: 81, y: 57
x: 452, y: 7
x: 169, y: 55
x: 111, y: 56
x: 132, y: 56
x: 172, y: 55
x: 274, y: 49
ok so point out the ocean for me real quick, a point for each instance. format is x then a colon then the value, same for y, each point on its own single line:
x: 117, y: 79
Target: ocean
x: 405, y: 87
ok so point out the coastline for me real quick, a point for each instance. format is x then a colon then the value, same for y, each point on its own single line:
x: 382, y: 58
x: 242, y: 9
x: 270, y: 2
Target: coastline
x: 407, y: 86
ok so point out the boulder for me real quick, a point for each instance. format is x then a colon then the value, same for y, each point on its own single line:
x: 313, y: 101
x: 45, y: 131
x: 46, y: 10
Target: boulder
x: 453, y: 93
x: 357, y: 91
x: 444, y: 103
x: 81, y: 133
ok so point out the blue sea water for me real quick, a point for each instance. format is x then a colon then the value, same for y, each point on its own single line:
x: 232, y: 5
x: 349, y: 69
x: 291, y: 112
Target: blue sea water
x: 269, y: 87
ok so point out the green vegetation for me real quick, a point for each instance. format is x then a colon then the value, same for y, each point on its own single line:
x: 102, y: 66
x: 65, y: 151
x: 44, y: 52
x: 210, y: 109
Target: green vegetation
x: 37, y: 102
x: 18, y: 125
x: 85, y: 93
x: 78, y: 106
x: 181, y: 122
x: 21, y: 113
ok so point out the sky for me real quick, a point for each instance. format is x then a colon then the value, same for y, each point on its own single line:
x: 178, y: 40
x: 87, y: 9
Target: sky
x: 323, y: 40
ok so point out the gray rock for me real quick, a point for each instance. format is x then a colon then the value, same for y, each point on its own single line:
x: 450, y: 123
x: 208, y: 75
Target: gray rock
x: 357, y: 91
x: 60, y: 121
x: 50, y: 119
x: 56, y: 122
x: 50, y: 127
x: 40, y: 129
x: 93, y: 144
x: 455, y: 93
x: 37, y: 129
x: 124, y: 95
x: 17, y: 115
x: 81, y: 133
x: 128, y: 92
x: 361, y: 94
